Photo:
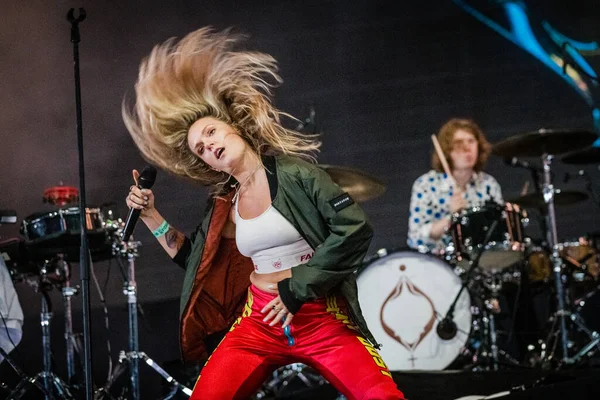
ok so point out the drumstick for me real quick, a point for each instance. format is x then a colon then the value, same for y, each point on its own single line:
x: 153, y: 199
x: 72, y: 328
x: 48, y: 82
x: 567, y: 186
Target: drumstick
x: 442, y: 157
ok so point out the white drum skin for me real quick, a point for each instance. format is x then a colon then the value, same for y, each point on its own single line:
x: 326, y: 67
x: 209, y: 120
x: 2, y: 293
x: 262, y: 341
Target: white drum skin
x: 403, y: 296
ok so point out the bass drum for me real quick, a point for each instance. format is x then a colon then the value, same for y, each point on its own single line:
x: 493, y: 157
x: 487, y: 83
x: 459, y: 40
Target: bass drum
x: 403, y: 296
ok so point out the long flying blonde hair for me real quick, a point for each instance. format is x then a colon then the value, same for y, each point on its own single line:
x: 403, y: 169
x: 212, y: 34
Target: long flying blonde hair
x: 202, y: 75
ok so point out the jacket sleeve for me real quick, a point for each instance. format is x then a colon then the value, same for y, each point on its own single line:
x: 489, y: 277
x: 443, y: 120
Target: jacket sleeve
x: 186, y: 249
x: 183, y: 253
x: 343, y: 251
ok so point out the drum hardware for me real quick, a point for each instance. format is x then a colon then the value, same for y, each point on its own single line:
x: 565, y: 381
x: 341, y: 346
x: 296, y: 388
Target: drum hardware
x: 53, y: 385
x: 446, y: 328
x: 49, y: 233
x: 283, y: 376
x: 562, y: 313
x: 67, y: 292
x: 359, y: 185
x: 503, y: 249
x: 488, y: 355
x: 12, y: 257
x: 129, y: 250
x: 24, y: 380
x: 545, y: 144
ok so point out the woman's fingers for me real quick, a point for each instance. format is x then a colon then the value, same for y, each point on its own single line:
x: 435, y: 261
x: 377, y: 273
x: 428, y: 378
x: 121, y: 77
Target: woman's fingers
x: 278, y: 316
x: 275, y: 310
x: 136, y: 176
x: 288, y: 320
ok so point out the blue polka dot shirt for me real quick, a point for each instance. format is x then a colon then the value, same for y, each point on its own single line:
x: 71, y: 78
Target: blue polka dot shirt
x: 430, y: 202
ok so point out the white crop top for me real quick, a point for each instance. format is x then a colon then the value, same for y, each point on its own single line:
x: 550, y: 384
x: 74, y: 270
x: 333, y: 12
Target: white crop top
x: 271, y: 241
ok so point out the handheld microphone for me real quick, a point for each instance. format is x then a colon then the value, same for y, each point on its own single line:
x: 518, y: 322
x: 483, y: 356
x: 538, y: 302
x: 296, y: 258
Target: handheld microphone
x: 146, y: 180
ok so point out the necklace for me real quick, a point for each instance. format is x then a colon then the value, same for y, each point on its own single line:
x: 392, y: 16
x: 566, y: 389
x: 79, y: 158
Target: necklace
x: 238, y: 186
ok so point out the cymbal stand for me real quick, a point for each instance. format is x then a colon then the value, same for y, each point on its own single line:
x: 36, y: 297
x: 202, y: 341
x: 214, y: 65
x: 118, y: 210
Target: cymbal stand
x: 129, y: 250
x: 21, y: 387
x: 557, y: 263
x: 67, y: 293
x: 51, y: 383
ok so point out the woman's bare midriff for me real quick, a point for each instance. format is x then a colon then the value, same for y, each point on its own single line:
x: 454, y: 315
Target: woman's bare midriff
x: 263, y: 281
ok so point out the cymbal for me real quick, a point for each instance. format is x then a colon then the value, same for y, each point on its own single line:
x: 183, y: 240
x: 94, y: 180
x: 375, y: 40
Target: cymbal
x: 544, y: 141
x: 591, y: 155
x: 561, y: 198
x: 359, y: 185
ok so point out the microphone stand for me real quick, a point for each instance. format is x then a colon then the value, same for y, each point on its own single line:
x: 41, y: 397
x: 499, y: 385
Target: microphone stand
x: 84, y: 255
x: 446, y: 328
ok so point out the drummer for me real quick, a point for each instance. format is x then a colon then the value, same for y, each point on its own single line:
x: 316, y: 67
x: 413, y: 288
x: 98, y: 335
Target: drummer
x: 435, y: 197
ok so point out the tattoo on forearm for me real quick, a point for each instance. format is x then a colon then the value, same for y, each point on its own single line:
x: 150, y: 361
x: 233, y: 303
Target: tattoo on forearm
x: 174, y: 239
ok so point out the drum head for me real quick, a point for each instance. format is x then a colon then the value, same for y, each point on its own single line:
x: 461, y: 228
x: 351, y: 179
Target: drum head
x: 403, y: 296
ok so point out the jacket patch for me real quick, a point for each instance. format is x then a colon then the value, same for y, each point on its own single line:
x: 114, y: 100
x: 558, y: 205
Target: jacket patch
x: 341, y: 202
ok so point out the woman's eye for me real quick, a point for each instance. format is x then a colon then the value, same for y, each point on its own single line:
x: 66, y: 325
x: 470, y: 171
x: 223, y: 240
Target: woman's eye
x: 211, y: 132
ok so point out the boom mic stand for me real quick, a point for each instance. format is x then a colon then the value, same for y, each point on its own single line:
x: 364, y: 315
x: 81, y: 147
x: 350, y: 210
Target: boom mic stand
x: 84, y: 255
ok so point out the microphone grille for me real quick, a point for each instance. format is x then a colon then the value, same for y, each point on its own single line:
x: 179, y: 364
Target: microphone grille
x: 148, y: 177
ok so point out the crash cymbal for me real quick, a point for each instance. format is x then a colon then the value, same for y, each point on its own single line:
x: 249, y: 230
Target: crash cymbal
x: 544, y: 141
x: 359, y: 185
x: 561, y: 198
x: 591, y: 155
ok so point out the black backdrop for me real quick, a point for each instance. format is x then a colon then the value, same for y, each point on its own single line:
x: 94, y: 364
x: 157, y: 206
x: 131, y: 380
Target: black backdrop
x: 382, y: 76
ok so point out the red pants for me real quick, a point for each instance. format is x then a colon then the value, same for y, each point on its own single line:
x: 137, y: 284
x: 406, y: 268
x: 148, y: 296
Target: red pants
x: 320, y: 335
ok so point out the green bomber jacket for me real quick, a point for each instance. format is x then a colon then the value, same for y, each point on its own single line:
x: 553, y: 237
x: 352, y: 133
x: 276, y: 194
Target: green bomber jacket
x: 332, y: 224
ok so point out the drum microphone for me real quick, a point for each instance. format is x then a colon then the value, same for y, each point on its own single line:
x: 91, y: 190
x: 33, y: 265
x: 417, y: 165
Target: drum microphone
x: 446, y: 329
x: 146, y: 180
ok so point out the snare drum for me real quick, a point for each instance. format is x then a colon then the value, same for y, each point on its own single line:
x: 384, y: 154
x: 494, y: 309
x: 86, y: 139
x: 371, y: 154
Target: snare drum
x: 507, y: 242
x: 49, y: 233
x: 403, y: 296
x: 41, y: 227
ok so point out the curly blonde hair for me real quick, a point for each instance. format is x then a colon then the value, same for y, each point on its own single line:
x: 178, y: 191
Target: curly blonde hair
x: 200, y: 76
x: 446, y: 135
